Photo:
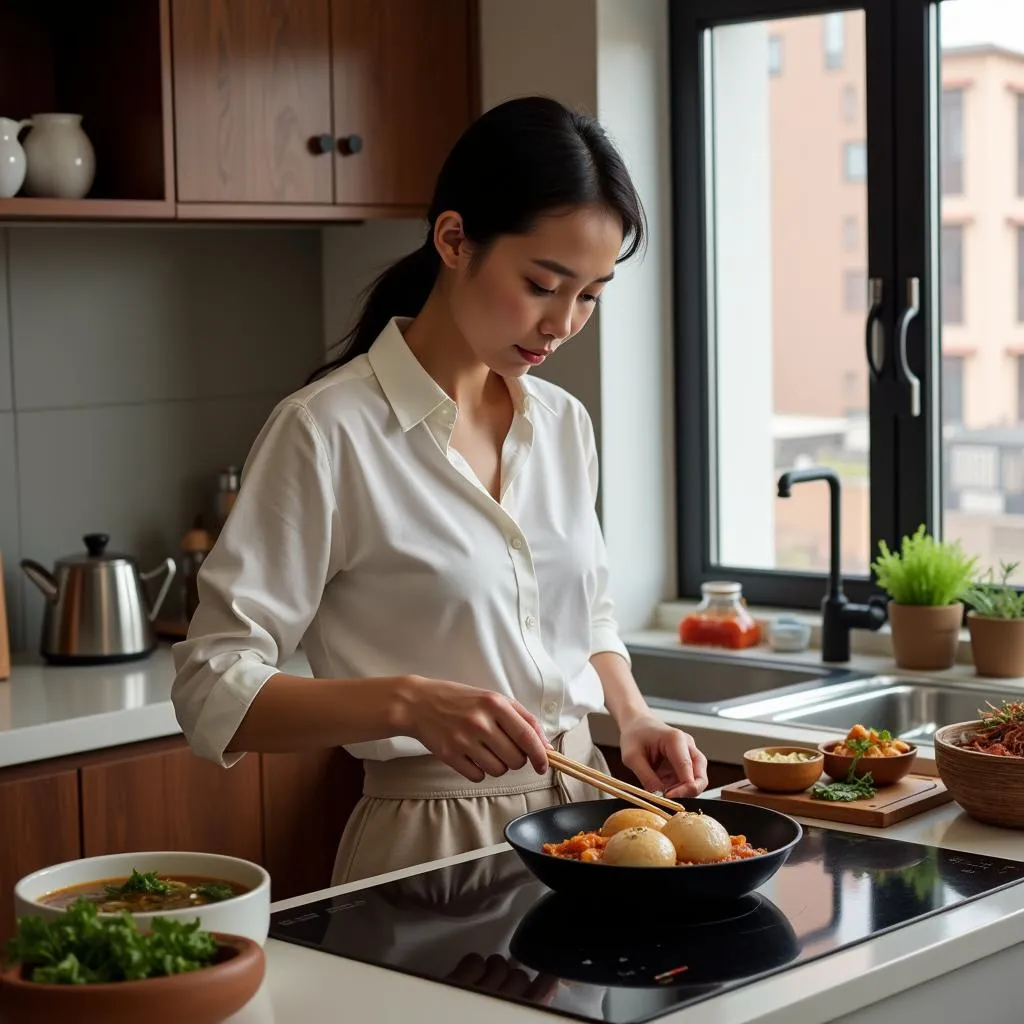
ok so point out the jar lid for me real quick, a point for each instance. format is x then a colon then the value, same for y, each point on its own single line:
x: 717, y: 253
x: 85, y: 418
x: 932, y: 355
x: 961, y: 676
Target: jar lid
x: 722, y: 588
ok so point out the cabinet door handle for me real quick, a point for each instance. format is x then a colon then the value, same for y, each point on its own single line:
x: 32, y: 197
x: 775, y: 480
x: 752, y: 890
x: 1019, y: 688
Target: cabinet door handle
x: 349, y: 145
x: 912, y: 308
x: 875, y: 329
x: 320, y: 144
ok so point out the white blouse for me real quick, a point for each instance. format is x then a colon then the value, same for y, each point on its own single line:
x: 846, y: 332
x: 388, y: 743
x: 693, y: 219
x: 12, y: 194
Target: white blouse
x: 360, y: 533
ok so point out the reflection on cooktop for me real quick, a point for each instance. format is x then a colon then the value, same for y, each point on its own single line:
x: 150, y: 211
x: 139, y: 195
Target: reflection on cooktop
x: 489, y: 925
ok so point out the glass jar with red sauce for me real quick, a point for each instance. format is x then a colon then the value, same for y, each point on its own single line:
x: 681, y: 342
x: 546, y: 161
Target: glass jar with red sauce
x: 721, y: 619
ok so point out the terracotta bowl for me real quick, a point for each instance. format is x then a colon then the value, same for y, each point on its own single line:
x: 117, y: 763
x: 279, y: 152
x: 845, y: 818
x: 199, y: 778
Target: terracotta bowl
x: 885, y: 771
x: 783, y: 776
x: 206, y: 996
x: 989, y: 787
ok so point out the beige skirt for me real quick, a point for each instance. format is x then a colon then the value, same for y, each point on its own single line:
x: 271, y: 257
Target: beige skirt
x: 417, y: 809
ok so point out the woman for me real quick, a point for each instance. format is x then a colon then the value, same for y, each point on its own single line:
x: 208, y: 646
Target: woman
x: 422, y: 518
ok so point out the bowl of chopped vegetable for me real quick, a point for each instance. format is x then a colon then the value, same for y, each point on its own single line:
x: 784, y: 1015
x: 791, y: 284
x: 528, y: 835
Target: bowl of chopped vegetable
x: 783, y: 769
x: 225, y: 894
x: 95, y: 968
x: 868, y: 752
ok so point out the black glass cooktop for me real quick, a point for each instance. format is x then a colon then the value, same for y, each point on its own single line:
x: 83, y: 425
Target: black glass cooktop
x: 489, y: 925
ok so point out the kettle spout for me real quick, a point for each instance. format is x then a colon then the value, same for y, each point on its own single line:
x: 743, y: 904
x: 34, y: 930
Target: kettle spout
x: 41, y: 578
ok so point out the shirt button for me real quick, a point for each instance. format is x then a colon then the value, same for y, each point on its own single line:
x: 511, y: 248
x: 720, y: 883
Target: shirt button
x: 517, y: 542
x: 530, y: 622
x: 526, y: 404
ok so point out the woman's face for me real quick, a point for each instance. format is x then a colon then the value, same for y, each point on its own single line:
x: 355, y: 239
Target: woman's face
x: 530, y: 293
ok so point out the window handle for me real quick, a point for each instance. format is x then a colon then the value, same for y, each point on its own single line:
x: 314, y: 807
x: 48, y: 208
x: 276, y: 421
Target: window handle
x: 875, y: 330
x: 912, y: 308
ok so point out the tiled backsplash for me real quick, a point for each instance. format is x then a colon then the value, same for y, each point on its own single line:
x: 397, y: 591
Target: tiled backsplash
x: 134, y: 363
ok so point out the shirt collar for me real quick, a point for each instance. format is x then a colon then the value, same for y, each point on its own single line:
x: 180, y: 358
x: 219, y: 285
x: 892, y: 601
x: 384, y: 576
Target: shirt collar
x: 412, y: 393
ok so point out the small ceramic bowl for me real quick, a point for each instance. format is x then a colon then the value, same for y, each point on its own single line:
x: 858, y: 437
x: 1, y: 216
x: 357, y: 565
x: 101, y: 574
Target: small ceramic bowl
x: 247, y: 915
x: 207, y: 996
x: 783, y: 776
x: 884, y: 770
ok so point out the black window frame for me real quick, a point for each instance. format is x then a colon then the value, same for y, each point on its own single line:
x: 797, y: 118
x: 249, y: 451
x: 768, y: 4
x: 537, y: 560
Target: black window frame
x: 904, y: 462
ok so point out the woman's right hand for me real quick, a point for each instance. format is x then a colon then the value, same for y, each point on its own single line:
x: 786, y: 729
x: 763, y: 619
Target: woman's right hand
x: 476, y: 732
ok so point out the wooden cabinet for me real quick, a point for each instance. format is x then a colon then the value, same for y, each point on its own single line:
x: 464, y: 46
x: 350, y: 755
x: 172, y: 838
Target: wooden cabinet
x: 307, y: 800
x: 39, y: 809
x: 252, y: 89
x: 350, y: 105
x: 160, y: 796
x: 403, y: 77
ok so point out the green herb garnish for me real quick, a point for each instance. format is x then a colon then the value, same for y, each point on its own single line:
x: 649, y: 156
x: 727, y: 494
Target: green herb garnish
x: 854, y: 788
x: 140, y: 881
x: 1011, y: 712
x: 215, y: 891
x: 81, y: 948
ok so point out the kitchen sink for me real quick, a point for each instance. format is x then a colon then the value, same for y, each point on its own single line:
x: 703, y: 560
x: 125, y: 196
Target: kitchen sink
x: 693, y: 679
x: 910, y: 708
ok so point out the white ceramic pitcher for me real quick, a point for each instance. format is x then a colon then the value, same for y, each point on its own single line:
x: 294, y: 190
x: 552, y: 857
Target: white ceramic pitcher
x: 12, y: 157
x: 61, y: 161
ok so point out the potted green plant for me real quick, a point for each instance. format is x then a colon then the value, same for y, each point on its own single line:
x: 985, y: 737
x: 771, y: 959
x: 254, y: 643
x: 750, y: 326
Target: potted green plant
x: 996, y: 625
x: 926, y: 581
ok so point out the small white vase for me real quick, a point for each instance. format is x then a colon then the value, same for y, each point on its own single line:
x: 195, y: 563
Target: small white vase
x: 12, y: 158
x: 61, y: 161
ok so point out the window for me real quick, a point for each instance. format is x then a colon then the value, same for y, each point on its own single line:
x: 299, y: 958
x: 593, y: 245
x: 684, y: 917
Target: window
x: 849, y: 104
x: 953, y: 390
x: 1020, y: 275
x: 767, y: 298
x: 951, y: 142
x: 855, y: 291
x: 855, y: 161
x: 851, y: 236
x: 952, y: 262
x: 1020, y: 144
x: 834, y: 26
x: 774, y: 55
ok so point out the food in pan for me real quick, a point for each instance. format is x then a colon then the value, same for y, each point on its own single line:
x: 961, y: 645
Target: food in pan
x: 630, y: 817
x: 863, y: 742
x: 694, y: 838
x: 1001, y: 731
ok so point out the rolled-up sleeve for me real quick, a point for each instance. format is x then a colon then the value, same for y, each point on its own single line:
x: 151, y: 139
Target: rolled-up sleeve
x: 604, y: 629
x: 262, y: 584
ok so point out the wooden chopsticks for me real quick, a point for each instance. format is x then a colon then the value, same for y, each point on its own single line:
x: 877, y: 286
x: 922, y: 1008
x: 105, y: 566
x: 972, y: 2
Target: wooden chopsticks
x: 614, y: 787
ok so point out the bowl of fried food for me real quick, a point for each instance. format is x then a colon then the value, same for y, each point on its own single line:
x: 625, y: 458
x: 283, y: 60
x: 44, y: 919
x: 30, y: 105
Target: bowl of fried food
x: 783, y: 769
x: 866, y: 751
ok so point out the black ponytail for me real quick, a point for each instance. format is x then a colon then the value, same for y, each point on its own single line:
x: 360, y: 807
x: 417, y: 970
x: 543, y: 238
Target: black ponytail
x: 518, y: 161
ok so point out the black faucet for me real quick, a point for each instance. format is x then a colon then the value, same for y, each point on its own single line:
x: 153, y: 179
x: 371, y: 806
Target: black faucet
x: 838, y: 615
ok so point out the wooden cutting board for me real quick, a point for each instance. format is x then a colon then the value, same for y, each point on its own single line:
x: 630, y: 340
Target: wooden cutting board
x: 911, y: 795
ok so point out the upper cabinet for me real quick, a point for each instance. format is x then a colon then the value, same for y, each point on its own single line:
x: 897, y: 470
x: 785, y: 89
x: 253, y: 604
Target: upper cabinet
x: 241, y: 109
x: 342, y: 103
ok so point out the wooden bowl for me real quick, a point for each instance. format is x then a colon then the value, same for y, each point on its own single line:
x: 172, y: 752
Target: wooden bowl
x: 783, y: 776
x: 206, y: 996
x: 885, y: 771
x: 989, y: 787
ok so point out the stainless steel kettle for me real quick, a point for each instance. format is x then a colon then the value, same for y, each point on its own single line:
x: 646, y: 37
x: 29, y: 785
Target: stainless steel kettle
x: 97, y: 610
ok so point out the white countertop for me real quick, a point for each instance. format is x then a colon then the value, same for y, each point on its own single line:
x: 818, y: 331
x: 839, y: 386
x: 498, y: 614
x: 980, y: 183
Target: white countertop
x: 304, y: 984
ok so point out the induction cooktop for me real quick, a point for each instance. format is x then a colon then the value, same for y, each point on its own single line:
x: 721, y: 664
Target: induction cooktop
x: 490, y: 926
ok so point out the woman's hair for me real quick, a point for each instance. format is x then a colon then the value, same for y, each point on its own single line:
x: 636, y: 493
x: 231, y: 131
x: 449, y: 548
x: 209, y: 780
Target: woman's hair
x: 517, y: 162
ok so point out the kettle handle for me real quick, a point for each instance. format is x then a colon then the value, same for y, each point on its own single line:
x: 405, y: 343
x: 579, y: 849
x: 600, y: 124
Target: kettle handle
x: 166, y: 566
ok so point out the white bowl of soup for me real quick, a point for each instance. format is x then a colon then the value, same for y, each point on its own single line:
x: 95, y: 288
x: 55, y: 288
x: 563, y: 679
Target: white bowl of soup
x: 226, y: 894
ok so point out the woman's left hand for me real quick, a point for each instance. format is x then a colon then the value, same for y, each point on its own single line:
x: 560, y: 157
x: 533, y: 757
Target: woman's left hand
x: 663, y: 758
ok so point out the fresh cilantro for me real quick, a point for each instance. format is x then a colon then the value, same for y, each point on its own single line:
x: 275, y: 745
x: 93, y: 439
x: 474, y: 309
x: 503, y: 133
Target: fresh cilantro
x: 140, y: 881
x: 853, y: 788
x: 81, y: 948
x: 215, y: 891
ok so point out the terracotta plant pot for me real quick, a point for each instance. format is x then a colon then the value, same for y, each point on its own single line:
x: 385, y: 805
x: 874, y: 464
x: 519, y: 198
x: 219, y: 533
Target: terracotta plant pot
x: 206, y: 996
x: 925, y: 637
x: 997, y: 646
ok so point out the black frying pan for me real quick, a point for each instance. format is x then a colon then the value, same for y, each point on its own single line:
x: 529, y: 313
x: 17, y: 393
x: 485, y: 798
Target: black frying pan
x: 778, y: 833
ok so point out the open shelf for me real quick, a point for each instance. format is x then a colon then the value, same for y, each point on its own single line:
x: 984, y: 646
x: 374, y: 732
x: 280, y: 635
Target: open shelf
x: 108, y: 60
